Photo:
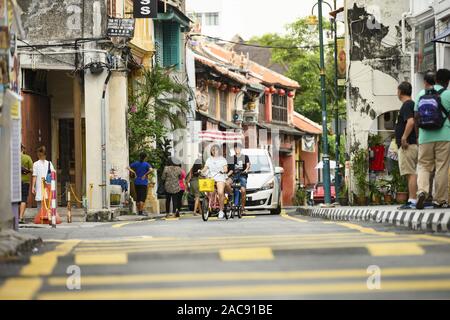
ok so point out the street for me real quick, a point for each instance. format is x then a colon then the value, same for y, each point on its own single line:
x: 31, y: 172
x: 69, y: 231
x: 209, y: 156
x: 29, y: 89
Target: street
x: 258, y: 257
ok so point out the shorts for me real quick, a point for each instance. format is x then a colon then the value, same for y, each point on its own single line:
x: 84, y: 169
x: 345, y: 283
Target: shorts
x: 25, y: 192
x: 141, y: 193
x: 220, y: 178
x: 408, y: 159
x: 242, y: 180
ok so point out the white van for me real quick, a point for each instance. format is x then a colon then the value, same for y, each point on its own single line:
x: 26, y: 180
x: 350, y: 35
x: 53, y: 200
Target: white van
x: 264, y: 182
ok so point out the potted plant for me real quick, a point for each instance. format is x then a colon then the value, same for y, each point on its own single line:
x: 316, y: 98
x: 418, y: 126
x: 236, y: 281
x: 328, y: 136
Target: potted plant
x: 360, y: 169
x: 375, y: 193
x: 300, y: 196
x: 375, y: 140
x: 385, y: 188
x: 400, y: 185
x: 343, y: 195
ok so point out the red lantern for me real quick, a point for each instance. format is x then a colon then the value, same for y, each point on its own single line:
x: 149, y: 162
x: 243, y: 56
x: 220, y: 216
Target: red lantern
x: 218, y: 84
x: 281, y: 92
x: 223, y: 87
x: 267, y: 90
x: 291, y: 94
x: 273, y: 90
x: 238, y: 89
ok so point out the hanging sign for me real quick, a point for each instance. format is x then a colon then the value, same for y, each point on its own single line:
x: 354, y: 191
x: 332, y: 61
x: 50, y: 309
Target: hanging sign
x: 120, y: 28
x: 145, y: 9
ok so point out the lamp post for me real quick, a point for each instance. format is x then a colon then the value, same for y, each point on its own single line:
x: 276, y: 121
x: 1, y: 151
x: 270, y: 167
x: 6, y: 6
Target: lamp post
x: 337, y: 179
x: 325, y: 155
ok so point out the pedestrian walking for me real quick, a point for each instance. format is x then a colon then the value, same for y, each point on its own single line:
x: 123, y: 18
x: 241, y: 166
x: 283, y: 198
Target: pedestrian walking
x: 171, y: 178
x: 433, y: 111
x: 182, y: 183
x: 406, y: 139
x: 192, y: 181
x: 141, y: 170
x: 41, y: 181
x: 27, y: 170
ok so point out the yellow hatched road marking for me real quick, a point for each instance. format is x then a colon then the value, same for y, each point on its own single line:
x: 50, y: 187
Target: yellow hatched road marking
x: 101, y: 259
x: 205, y: 245
x: 20, y: 288
x: 359, y: 287
x: 44, y: 264
x: 247, y: 254
x: 395, y: 249
x: 288, y: 217
x: 250, y: 276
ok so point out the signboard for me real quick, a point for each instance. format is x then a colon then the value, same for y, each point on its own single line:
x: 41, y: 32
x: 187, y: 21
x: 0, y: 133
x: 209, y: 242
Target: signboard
x: 342, y: 62
x: 120, y: 28
x: 145, y: 9
x: 425, y: 48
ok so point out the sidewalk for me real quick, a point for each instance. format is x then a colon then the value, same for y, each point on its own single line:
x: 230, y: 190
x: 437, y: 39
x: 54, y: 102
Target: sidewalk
x: 12, y: 243
x: 433, y: 220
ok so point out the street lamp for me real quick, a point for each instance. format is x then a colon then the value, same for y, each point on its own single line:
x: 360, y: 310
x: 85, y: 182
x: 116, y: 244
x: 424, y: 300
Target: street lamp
x: 325, y: 157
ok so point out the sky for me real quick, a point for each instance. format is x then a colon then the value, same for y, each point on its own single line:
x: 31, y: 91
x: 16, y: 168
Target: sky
x: 257, y: 17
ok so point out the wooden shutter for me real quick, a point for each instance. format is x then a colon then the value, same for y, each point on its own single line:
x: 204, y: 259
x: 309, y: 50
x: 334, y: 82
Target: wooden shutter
x: 171, y: 48
x: 159, y: 43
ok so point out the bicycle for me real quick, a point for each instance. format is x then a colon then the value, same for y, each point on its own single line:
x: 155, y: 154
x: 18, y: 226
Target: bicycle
x: 211, y: 202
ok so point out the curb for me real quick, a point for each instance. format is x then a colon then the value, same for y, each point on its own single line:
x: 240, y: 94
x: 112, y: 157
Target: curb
x: 424, y: 220
x: 13, y: 243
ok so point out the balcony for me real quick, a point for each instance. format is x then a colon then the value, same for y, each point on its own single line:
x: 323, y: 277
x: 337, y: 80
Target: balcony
x: 179, y: 4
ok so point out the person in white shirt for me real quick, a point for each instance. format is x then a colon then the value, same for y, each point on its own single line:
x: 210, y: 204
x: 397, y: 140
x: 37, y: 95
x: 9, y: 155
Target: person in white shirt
x: 216, y: 168
x: 40, y: 171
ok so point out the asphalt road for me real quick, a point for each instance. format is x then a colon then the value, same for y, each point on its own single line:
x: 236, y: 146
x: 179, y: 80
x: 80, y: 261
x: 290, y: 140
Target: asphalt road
x: 258, y: 257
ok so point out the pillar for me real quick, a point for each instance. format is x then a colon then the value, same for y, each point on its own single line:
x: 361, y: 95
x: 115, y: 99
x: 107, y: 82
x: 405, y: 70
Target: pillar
x: 77, y: 96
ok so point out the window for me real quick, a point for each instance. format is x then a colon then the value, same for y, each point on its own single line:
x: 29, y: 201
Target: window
x: 212, y: 19
x: 167, y: 44
x: 212, y: 101
x: 279, y: 108
x: 262, y: 108
x: 223, y: 106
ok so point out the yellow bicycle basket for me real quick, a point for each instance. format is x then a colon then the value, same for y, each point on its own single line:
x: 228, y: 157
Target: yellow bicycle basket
x: 206, y: 185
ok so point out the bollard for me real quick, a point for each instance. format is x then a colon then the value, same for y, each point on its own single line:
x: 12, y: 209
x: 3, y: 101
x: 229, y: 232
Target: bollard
x: 69, y: 204
x: 53, y: 197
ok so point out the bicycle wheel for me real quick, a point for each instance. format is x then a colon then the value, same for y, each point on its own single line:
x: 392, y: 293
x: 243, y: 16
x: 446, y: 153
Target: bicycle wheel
x: 205, y: 209
x: 227, y: 212
x: 240, y: 211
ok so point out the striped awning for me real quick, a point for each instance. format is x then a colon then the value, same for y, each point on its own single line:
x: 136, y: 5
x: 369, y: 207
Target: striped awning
x: 221, y: 136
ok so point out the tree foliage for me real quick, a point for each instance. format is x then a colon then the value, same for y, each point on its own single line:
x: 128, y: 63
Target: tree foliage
x: 303, y: 66
x: 158, y: 105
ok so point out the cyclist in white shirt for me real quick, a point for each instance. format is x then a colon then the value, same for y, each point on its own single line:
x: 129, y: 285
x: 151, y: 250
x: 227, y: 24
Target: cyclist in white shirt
x: 216, y: 168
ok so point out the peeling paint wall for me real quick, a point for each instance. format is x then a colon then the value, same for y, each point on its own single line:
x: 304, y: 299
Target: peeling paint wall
x: 376, y: 63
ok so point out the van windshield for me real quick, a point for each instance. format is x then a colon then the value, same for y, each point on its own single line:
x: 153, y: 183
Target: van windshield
x: 259, y: 164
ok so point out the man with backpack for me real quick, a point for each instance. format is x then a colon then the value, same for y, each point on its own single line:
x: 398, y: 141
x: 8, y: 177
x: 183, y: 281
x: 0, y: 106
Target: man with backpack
x: 433, y: 119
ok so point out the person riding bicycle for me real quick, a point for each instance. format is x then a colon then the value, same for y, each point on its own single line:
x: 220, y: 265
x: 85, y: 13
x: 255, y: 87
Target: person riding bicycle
x: 239, y: 169
x: 216, y: 168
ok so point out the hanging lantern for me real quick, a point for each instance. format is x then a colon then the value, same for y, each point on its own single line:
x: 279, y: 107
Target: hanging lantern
x: 273, y: 90
x: 291, y: 94
x: 267, y: 90
x: 223, y: 87
x: 281, y: 93
x: 218, y: 84
x: 238, y: 89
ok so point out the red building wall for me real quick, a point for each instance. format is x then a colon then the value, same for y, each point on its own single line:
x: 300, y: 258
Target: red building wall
x: 288, y: 179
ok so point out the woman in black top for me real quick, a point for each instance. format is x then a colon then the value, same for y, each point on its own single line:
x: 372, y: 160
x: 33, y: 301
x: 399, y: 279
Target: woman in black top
x: 192, y: 180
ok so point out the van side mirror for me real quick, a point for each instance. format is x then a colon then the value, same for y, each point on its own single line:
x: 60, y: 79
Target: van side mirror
x: 279, y: 170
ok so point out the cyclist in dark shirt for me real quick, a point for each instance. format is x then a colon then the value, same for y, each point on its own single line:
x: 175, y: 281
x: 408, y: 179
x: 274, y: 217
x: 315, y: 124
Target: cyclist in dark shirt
x: 239, y: 169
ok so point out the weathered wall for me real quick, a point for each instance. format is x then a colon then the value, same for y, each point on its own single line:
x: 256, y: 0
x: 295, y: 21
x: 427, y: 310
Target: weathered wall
x: 376, y: 63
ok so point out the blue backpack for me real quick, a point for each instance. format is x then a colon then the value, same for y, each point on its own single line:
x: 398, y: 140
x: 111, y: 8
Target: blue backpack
x: 430, y: 110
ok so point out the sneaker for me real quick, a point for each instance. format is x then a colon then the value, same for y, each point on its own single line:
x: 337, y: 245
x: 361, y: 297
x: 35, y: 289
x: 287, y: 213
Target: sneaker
x: 421, y: 201
x: 443, y: 205
x: 407, y: 206
x: 21, y: 221
x: 221, y: 214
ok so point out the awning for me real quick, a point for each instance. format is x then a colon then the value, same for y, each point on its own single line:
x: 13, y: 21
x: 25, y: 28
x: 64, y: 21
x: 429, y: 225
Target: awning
x: 285, y: 129
x: 442, y: 36
x: 220, y: 136
x: 173, y: 14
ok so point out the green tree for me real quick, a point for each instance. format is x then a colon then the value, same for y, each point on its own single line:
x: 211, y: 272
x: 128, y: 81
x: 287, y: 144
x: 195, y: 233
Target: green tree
x: 158, y: 106
x: 301, y: 56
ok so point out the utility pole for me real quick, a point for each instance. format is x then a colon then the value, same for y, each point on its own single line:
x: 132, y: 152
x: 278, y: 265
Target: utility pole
x: 337, y: 180
x: 325, y: 156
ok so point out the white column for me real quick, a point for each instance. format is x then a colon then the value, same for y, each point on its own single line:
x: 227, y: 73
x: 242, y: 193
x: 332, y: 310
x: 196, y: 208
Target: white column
x: 93, y: 87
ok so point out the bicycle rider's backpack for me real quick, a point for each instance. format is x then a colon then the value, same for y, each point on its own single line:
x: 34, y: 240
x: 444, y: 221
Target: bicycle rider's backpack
x: 430, y: 109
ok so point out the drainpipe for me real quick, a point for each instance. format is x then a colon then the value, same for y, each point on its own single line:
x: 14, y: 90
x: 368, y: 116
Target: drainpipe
x: 103, y: 111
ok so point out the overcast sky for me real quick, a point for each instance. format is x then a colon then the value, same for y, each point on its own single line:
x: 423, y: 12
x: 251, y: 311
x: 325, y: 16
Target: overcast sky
x: 257, y: 17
